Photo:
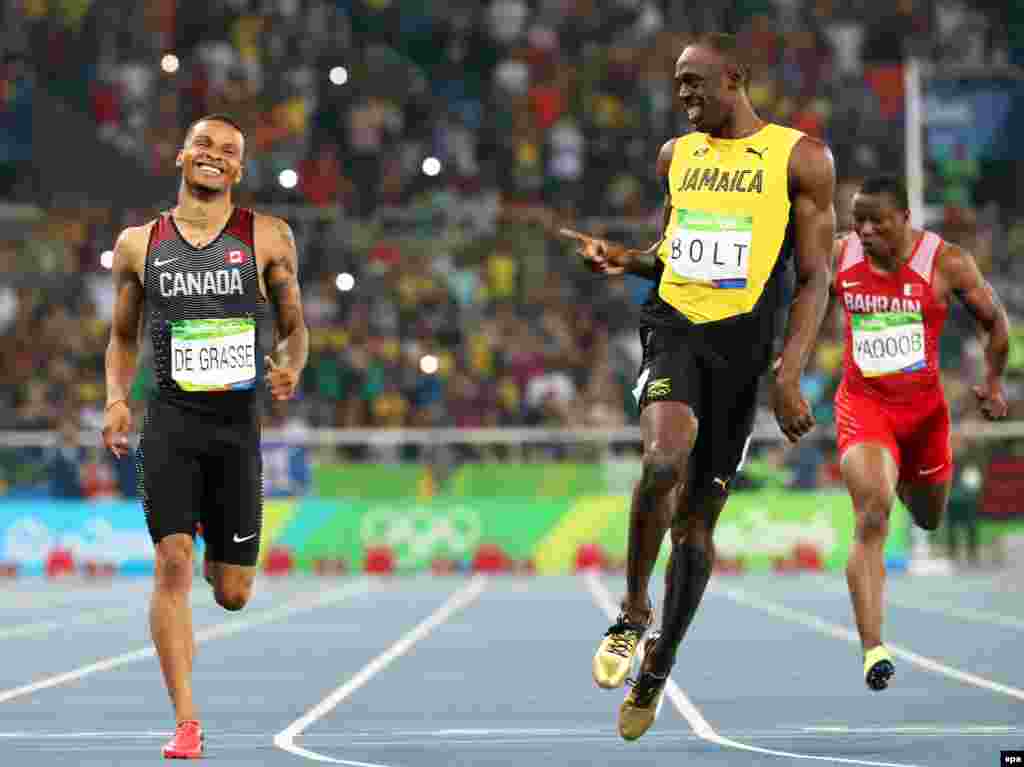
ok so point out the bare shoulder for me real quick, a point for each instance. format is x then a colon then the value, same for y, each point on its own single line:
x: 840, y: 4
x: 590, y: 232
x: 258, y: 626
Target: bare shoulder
x: 954, y: 264
x: 272, y: 227
x: 275, y: 241
x: 665, y: 156
x: 131, y: 245
x: 811, y: 166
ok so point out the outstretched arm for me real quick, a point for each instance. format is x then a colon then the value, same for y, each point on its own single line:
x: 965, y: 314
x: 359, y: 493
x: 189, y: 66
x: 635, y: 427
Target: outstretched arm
x: 612, y: 258
x: 282, y: 279
x: 961, y: 273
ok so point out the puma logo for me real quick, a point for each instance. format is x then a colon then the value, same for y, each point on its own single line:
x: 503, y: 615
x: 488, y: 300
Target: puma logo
x: 660, y: 387
x: 760, y: 153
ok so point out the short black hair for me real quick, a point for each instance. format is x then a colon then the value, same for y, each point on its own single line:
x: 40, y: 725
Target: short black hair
x: 217, y: 117
x: 728, y: 46
x: 885, y: 183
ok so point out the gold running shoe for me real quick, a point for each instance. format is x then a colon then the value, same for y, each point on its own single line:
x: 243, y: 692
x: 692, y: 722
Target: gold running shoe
x: 644, y: 699
x: 613, y: 660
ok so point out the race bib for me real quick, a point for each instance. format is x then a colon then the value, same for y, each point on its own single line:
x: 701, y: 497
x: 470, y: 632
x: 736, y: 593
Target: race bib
x: 214, y: 355
x: 712, y: 248
x: 888, y: 342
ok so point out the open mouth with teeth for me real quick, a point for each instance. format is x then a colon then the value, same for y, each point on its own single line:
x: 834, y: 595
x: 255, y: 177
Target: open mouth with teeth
x: 208, y: 170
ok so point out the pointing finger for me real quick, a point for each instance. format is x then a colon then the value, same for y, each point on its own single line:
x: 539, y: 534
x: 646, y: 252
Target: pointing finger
x: 572, y: 234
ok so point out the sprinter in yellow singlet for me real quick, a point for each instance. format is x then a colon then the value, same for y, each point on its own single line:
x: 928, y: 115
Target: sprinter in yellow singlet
x: 747, y: 201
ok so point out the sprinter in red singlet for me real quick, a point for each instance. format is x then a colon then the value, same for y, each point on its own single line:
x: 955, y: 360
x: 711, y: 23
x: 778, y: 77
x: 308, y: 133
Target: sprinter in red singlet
x: 894, y: 283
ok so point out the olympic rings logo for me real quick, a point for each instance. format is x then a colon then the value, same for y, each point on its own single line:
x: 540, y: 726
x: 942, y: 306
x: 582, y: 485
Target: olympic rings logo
x: 419, y: 534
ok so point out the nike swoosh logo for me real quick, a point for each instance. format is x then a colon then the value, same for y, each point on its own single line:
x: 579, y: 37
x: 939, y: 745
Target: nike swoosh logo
x: 926, y: 472
x: 157, y: 262
x: 850, y: 284
x: 243, y: 540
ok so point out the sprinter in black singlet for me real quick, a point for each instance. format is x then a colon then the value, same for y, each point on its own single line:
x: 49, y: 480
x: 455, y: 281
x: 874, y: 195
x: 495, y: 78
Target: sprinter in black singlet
x: 205, y: 276
x: 745, y: 200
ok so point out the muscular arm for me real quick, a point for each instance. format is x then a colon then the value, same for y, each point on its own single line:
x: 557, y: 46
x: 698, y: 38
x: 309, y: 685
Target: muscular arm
x: 123, y: 348
x: 813, y: 180
x: 960, y: 271
x: 281, y: 275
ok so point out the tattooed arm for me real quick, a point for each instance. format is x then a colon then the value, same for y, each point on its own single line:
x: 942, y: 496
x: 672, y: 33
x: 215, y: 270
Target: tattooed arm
x: 281, y: 275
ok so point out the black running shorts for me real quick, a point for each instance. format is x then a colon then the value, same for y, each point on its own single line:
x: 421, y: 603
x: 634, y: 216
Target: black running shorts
x: 722, y: 395
x: 195, y: 468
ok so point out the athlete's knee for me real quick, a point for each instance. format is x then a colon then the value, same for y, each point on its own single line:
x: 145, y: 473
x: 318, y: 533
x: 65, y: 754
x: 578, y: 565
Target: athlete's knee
x: 664, y: 465
x: 174, y: 563
x: 873, y: 518
x: 233, y: 596
x: 663, y: 468
x: 661, y: 472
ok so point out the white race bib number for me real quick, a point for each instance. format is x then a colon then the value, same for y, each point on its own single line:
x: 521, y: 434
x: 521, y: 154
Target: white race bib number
x: 711, y: 248
x: 888, y: 342
x: 214, y: 355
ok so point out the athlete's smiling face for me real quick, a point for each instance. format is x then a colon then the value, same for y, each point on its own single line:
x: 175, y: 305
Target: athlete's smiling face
x: 707, y: 85
x: 880, y: 223
x: 211, y: 159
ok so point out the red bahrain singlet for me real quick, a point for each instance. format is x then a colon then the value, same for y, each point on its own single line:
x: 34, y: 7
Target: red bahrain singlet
x: 891, y: 393
x: 893, y: 323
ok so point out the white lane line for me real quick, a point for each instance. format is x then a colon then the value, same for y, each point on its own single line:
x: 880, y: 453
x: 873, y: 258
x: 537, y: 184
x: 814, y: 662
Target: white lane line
x: 85, y: 618
x: 90, y: 617
x: 300, y: 604
x: 972, y: 614
x: 921, y: 729
x: 83, y: 735
x: 835, y: 631
x: 532, y: 738
x: 285, y: 739
x: 61, y: 594
x: 692, y: 714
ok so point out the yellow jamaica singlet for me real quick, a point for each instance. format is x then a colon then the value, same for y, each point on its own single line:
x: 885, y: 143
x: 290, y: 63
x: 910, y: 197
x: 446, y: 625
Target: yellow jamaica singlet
x: 729, y: 221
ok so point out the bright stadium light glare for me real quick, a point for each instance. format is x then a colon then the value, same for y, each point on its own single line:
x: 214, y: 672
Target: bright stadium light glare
x: 288, y: 178
x: 429, y: 364
x: 169, y: 63
x: 107, y: 259
x: 345, y: 282
x: 431, y: 166
x: 339, y: 75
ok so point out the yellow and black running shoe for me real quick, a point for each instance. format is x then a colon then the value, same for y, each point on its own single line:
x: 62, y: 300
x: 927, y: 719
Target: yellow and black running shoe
x: 613, y: 660
x: 644, y: 699
x: 878, y: 667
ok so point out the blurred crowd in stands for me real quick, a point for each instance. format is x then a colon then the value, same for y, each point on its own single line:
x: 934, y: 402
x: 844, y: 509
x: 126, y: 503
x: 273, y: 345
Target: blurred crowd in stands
x: 540, y: 113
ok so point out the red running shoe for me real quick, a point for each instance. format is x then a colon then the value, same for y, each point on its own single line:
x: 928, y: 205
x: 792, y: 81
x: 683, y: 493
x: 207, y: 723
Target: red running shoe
x: 187, y: 742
